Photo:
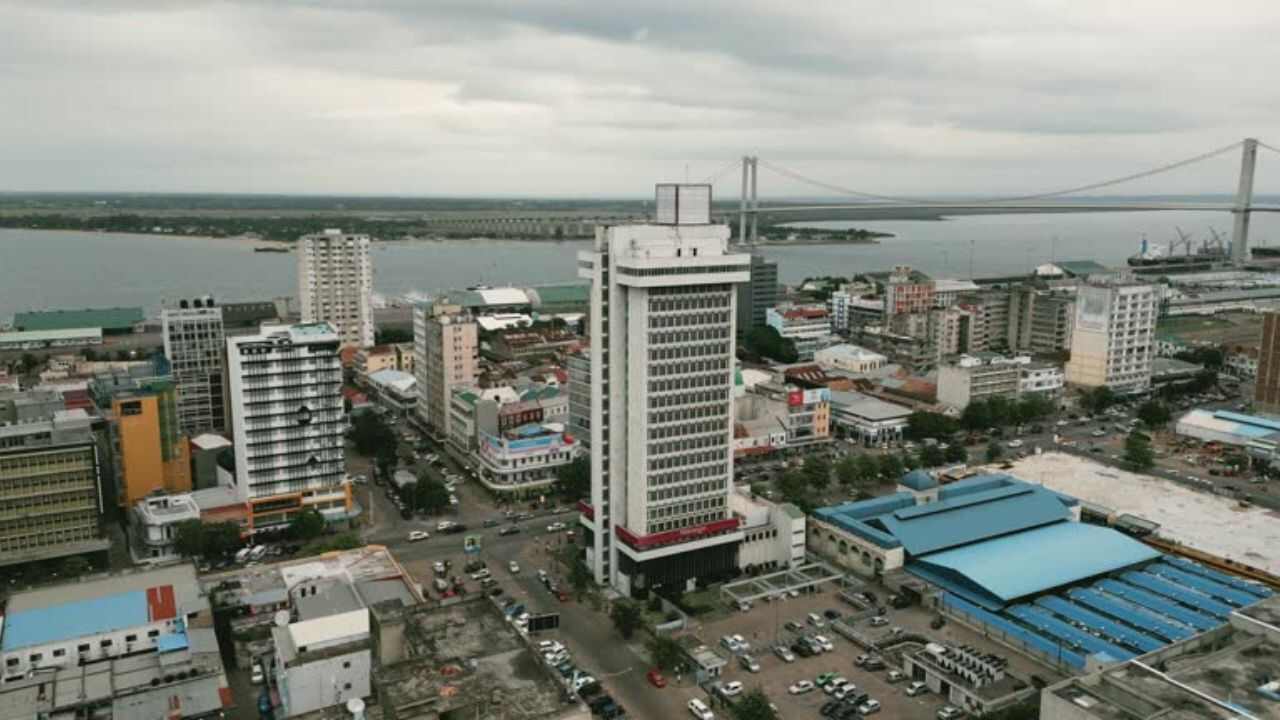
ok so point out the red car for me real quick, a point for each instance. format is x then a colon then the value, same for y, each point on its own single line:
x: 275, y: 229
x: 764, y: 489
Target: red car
x: 656, y: 679
x: 562, y: 596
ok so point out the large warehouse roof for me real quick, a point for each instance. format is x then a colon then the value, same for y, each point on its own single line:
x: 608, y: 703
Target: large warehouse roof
x: 109, y: 319
x: 1004, y: 569
x: 991, y: 513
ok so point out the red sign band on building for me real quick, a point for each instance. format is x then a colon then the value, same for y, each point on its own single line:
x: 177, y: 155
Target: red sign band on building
x: 586, y: 509
x: 795, y: 397
x: 643, y: 542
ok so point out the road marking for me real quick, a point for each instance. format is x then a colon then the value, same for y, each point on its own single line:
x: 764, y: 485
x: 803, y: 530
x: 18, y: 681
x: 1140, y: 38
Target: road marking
x: 623, y: 671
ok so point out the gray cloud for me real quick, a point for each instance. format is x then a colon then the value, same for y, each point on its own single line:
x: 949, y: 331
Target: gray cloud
x: 569, y: 97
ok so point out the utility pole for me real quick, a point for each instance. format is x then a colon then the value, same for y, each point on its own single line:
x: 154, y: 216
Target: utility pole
x: 1244, y: 199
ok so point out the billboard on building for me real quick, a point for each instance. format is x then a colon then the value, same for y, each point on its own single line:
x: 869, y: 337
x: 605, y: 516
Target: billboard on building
x: 1094, y: 308
x: 816, y: 396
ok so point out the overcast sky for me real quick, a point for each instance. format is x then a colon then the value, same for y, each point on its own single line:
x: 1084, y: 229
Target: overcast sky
x: 532, y: 97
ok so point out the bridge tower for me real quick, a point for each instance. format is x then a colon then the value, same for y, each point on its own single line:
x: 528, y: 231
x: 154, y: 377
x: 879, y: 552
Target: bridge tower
x: 1244, y: 202
x: 749, y: 203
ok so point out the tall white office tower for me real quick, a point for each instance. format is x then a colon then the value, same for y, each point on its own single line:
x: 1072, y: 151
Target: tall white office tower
x: 287, y: 420
x: 335, y: 284
x: 1113, y: 339
x: 663, y: 309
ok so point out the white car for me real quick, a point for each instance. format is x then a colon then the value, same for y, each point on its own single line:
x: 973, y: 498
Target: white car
x: 784, y: 653
x: 1015, y: 444
x: 730, y: 689
x: 824, y: 643
x: 258, y: 675
x: 917, y: 688
x: 513, y: 566
x: 416, y: 535
x: 742, y: 643
x: 879, y: 621
x: 550, y: 645
x: 949, y: 712
x: 582, y: 682
x: 453, y: 499
x: 699, y: 709
x: 480, y: 574
x: 835, y: 684
x: 869, y: 707
x: 730, y: 643
x: 816, y: 620
x: 801, y: 687
x: 556, y: 527
x: 444, y: 525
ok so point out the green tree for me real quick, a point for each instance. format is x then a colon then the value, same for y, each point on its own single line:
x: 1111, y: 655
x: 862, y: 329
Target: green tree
x: 189, y: 539
x: 891, y: 467
x: 1204, y: 380
x: 74, y: 567
x: 921, y: 425
x: 955, y: 453
x: 931, y: 456
x: 665, y: 652
x: 1000, y: 411
x: 370, y: 433
x: 847, y: 471
x: 754, y: 705
x: 580, y: 577
x: 386, y: 460
x: 1098, y: 399
x: 627, y: 617
x: 429, y: 495
x: 907, y: 462
x: 29, y: 362
x: 994, y: 451
x: 794, y: 488
x: 868, y: 468
x: 574, y: 478
x: 307, y: 525
x: 766, y: 342
x: 1137, y: 451
x: 1154, y: 414
x: 817, y: 472
x: 1035, y: 406
x: 221, y: 539
x: 976, y: 416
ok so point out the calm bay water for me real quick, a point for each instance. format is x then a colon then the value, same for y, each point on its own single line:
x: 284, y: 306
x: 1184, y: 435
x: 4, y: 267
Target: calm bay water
x: 52, y: 269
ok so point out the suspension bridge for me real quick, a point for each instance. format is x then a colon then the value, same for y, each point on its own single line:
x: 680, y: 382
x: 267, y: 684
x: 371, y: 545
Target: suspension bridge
x: 1241, y: 208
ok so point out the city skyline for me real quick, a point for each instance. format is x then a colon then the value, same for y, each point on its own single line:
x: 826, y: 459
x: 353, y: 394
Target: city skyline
x: 547, y: 99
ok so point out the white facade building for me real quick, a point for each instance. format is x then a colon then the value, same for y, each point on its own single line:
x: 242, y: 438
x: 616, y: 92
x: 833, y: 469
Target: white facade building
x: 663, y: 300
x: 1042, y: 378
x: 335, y: 284
x: 808, y: 327
x: 323, y: 662
x: 773, y: 533
x: 1112, y: 341
x: 850, y: 358
x: 522, y: 462
x: 287, y: 420
x: 193, y: 345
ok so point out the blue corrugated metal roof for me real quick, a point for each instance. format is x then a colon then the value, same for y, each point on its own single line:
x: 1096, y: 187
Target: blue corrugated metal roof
x: 971, y: 518
x: 74, y: 619
x: 999, y: 571
x: 1271, y: 424
x: 978, y: 483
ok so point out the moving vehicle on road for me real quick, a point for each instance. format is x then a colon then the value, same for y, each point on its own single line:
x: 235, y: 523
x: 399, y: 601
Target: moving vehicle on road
x: 731, y: 689
x: 655, y: 678
x: 556, y: 527
x: 513, y: 566
x: 699, y: 709
x: 416, y: 535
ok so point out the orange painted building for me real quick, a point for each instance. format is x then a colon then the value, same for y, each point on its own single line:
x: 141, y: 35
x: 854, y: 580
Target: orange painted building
x: 151, y: 453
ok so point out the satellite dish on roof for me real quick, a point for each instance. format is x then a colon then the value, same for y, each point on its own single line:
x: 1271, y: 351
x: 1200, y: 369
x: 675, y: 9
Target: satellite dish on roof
x: 282, y: 618
x: 355, y: 706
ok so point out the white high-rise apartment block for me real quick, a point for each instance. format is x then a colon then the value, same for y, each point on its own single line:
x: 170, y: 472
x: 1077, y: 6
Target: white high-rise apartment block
x: 663, y: 299
x: 335, y: 284
x: 446, y: 352
x: 193, y: 345
x: 1113, y: 339
x: 287, y: 421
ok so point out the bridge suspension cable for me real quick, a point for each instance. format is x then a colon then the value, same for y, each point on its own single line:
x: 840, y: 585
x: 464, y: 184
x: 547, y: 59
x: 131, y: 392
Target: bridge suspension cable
x: 1269, y: 147
x: 1014, y: 198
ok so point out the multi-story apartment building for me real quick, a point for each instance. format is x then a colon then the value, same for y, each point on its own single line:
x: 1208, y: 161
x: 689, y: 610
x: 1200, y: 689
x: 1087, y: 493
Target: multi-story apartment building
x: 193, y: 345
x: 758, y: 295
x: 447, y: 351
x: 978, y: 378
x: 1040, y: 320
x: 949, y: 329
x: 50, y: 480
x: 907, y: 292
x: 151, y: 452
x: 807, y: 326
x: 663, y: 307
x: 287, y: 422
x: 989, y: 319
x: 1267, y: 386
x: 335, y: 284
x: 1112, y: 341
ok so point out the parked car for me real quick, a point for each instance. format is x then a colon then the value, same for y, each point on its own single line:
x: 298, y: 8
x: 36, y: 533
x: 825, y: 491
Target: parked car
x: 800, y: 687
x: 823, y: 643
x: 815, y: 620
x: 655, y: 678
x: 869, y: 707
x: 699, y: 709
x: 949, y: 712
x: 509, y: 530
x: 895, y: 676
x: 794, y: 626
x: 749, y: 664
x: 513, y: 566
x: 556, y: 527
x: 257, y: 676
x: 879, y: 621
x: 917, y: 688
x: 784, y: 653
x: 731, y: 689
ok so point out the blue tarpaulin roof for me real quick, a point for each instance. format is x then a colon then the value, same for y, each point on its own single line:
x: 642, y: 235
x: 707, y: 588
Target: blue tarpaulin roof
x: 74, y: 619
x: 172, y: 641
x: 999, y: 571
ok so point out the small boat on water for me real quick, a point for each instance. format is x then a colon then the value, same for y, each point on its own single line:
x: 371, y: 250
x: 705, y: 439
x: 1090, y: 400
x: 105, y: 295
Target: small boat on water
x: 267, y: 248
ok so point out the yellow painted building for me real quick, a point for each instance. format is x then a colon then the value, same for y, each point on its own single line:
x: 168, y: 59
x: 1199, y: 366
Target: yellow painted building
x: 151, y: 453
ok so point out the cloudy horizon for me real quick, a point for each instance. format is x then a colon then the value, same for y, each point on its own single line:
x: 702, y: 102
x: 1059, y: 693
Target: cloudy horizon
x: 587, y: 99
